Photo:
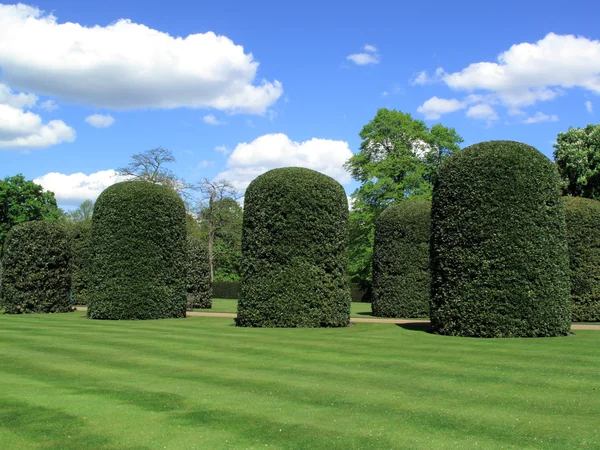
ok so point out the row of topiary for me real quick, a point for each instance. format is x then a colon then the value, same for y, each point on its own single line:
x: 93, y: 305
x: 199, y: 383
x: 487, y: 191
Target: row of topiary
x: 141, y: 265
x: 497, y: 250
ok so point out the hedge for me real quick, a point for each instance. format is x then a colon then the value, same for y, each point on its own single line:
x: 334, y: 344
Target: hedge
x: 79, y: 239
x: 401, y: 280
x: 583, y: 237
x: 231, y: 289
x: 499, y: 258
x: 199, y: 288
x: 138, y: 253
x: 35, y: 269
x: 294, y: 244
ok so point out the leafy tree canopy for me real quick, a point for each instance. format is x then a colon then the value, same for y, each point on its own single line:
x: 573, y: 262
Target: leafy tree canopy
x: 577, y: 154
x: 23, y: 200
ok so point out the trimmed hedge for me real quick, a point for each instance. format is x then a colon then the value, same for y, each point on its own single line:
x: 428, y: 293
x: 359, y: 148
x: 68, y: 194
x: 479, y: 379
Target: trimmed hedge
x: 199, y: 288
x: 583, y: 237
x: 499, y: 258
x: 79, y: 238
x: 294, y: 243
x: 226, y: 289
x: 138, y: 253
x: 401, y: 280
x: 35, y: 269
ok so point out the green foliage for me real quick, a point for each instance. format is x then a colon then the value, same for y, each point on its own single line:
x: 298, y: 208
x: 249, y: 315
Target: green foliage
x: 499, y: 259
x: 401, y: 280
x: 398, y: 159
x: 583, y: 237
x: 226, y: 289
x: 21, y: 201
x: 138, y: 253
x: 79, y: 238
x: 199, y: 288
x: 577, y: 154
x: 294, y: 251
x: 35, y: 269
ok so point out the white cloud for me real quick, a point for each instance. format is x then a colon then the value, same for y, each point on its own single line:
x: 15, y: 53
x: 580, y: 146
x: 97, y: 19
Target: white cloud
x: 212, y: 120
x: 72, y: 190
x: 20, y: 100
x: 271, y: 151
x: 100, y: 120
x: 532, y: 72
x: 205, y: 163
x: 21, y: 129
x: 126, y: 65
x: 434, y: 107
x: 539, y: 117
x: 48, y: 105
x: 369, y: 56
x: 385, y: 93
x: 222, y: 149
x: 482, y: 111
x: 589, y: 107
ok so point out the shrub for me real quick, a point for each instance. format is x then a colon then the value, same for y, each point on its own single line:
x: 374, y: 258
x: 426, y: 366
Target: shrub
x: 583, y: 237
x: 401, y: 280
x: 199, y: 288
x: 138, y: 253
x: 79, y: 238
x: 226, y: 289
x: 499, y: 257
x: 294, y: 251
x: 35, y: 269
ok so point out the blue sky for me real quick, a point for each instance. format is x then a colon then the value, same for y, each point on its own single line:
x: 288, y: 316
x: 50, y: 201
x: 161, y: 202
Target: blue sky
x: 324, y: 68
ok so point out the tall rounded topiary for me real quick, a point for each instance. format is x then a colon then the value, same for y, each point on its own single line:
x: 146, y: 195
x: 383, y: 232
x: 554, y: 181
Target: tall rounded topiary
x: 499, y: 257
x: 138, y: 253
x: 199, y: 287
x: 294, y: 251
x: 401, y: 280
x: 583, y: 237
x: 35, y: 269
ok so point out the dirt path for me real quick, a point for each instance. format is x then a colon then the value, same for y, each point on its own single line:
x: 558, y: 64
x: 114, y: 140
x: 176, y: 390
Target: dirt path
x: 357, y: 319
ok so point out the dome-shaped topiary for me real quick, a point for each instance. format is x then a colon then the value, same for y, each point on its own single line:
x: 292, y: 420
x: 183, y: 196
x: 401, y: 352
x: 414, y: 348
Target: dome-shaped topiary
x: 138, y: 253
x: 499, y: 257
x: 401, y: 280
x: 199, y: 287
x: 35, y: 269
x: 294, y: 245
x: 583, y: 237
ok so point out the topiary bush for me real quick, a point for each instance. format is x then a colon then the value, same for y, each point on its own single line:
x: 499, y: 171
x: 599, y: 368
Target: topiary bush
x: 583, y: 237
x: 199, y: 287
x: 499, y: 258
x: 226, y: 289
x: 294, y: 243
x: 79, y: 239
x: 138, y: 254
x: 401, y: 280
x: 35, y: 269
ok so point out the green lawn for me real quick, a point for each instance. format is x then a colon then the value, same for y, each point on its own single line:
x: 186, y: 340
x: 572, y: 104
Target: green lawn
x: 72, y: 383
x: 230, y: 306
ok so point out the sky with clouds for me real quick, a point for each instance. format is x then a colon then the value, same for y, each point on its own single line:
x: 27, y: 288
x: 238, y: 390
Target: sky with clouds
x: 237, y: 88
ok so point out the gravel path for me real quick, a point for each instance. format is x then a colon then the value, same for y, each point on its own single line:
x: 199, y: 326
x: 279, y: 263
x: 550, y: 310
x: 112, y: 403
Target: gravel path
x: 358, y: 319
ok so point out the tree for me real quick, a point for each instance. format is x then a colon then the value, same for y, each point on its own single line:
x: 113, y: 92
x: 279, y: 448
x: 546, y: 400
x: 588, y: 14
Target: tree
x: 398, y: 160
x: 83, y: 213
x: 150, y: 166
x: 220, y: 216
x: 577, y: 154
x: 22, y: 200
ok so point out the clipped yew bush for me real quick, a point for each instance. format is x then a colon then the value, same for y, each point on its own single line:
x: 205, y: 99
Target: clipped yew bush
x: 79, y: 237
x: 199, y: 287
x: 401, y: 280
x: 499, y: 258
x: 583, y: 237
x: 294, y: 245
x: 36, y: 276
x: 138, y: 253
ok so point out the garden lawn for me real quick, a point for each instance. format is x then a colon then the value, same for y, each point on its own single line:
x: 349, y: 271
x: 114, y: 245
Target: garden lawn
x: 226, y: 305
x: 72, y: 383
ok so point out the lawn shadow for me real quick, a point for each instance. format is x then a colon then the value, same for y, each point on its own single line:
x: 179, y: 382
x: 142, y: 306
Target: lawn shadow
x: 416, y: 326
x: 365, y: 313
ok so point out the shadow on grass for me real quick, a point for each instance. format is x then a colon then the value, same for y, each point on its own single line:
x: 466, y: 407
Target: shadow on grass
x: 416, y: 326
x: 365, y: 313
